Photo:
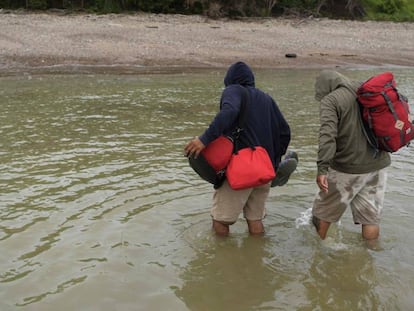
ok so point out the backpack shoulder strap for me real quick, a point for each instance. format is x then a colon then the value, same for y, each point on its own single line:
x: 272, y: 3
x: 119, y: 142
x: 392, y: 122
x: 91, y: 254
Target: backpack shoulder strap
x: 366, y: 128
x: 238, y: 136
x: 245, y: 99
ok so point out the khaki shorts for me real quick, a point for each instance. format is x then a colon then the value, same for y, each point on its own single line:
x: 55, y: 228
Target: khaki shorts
x: 229, y: 203
x: 364, y: 193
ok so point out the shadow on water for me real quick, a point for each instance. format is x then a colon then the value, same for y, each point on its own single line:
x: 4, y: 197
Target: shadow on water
x: 99, y: 210
x: 231, y: 275
x: 287, y: 269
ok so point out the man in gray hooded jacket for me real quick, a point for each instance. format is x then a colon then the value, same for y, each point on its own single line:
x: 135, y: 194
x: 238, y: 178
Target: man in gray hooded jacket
x: 350, y: 173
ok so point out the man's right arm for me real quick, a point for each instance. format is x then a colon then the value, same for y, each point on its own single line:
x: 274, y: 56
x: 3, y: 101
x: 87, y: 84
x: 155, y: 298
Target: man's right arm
x: 322, y: 182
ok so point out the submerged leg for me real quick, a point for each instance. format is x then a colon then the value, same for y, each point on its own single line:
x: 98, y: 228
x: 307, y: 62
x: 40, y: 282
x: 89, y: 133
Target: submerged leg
x: 370, y: 232
x: 255, y: 227
x: 220, y: 228
x: 321, y: 226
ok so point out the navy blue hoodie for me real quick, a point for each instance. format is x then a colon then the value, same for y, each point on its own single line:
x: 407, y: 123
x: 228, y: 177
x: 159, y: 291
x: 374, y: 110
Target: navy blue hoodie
x: 265, y: 124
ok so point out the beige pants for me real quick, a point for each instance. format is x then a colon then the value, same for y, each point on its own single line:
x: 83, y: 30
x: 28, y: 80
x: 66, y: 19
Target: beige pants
x: 229, y: 203
x: 364, y: 193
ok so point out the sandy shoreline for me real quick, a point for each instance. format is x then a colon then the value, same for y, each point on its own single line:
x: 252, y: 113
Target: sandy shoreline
x: 46, y: 42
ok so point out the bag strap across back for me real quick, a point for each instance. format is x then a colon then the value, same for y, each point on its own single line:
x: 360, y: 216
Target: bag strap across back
x: 237, y: 137
x: 243, y: 105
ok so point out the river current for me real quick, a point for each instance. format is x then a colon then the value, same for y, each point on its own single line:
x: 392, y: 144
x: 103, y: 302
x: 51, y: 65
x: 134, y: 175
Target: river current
x: 99, y: 209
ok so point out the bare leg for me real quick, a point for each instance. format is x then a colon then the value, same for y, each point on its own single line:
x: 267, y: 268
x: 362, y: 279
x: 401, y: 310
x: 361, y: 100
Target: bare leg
x: 255, y: 227
x: 370, y: 232
x: 221, y: 229
x: 321, y: 226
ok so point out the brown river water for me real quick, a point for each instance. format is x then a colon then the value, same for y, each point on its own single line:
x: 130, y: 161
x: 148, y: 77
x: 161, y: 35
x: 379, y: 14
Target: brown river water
x: 99, y: 209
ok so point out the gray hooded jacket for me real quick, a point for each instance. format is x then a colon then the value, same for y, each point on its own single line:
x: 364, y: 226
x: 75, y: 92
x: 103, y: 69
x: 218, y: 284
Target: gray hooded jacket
x: 342, y: 142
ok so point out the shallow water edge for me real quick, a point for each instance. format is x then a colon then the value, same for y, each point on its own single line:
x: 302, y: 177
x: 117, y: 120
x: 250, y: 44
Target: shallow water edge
x: 132, y: 69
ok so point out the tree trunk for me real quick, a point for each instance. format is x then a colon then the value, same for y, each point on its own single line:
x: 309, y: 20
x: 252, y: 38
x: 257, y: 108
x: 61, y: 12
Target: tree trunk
x: 269, y: 6
x: 354, y: 8
x: 321, y: 3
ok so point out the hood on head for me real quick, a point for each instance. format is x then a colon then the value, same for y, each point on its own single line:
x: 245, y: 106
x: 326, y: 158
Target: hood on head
x: 328, y: 81
x: 239, y: 73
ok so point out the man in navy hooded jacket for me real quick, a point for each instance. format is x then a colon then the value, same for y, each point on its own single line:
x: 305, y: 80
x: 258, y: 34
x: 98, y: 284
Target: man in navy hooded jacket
x: 266, y: 127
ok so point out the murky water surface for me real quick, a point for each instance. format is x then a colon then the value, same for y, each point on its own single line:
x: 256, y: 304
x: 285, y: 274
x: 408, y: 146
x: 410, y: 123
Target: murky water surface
x: 99, y: 209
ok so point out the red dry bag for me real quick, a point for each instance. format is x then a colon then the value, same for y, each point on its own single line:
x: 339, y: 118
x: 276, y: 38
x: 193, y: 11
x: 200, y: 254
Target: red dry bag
x: 211, y: 163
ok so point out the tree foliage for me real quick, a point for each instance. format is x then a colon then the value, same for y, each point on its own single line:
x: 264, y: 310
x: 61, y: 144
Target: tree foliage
x: 396, y: 10
x: 391, y: 6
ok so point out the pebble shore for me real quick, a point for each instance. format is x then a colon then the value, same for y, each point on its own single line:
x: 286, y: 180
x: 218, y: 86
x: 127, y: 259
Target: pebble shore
x: 134, y: 42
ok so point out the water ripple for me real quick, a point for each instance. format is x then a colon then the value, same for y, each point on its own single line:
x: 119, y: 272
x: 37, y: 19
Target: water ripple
x: 94, y: 188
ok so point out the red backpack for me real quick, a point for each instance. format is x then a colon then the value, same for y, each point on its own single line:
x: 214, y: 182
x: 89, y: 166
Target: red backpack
x: 385, y: 112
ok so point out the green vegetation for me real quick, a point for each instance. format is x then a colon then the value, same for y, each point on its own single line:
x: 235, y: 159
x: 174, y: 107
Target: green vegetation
x: 394, y: 10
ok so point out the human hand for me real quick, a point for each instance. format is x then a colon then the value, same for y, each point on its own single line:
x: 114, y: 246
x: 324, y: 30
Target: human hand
x: 193, y: 147
x: 322, y: 181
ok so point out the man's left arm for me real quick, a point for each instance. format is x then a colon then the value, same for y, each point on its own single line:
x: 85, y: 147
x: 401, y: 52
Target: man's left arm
x: 328, y: 132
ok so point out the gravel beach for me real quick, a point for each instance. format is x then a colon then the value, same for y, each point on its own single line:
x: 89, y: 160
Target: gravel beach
x: 136, y: 42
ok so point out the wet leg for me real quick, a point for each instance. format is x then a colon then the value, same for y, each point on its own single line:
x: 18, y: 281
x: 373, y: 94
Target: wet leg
x: 321, y: 226
x: 370, y: 232
x: 220, y: 228
x: 255, y: 227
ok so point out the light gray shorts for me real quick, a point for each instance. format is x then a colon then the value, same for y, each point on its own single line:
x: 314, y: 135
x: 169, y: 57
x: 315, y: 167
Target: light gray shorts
x: 228, y: 203
x: 364, y: 193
